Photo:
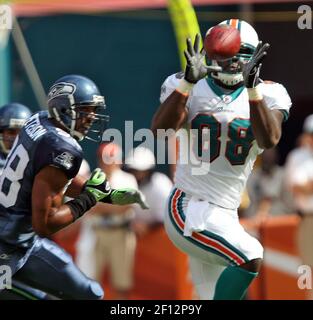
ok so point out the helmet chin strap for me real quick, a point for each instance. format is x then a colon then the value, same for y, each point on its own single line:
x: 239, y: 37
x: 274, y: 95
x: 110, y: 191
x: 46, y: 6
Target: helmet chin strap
x: 74, y: 133
x: 227, y: 78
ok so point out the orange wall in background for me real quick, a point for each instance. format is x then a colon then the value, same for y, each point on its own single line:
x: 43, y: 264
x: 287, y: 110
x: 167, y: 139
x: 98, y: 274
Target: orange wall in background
x: 278, y: 277
x: 161, y: 270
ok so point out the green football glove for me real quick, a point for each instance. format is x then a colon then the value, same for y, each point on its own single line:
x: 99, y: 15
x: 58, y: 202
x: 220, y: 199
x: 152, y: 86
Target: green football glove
x: 98, y: 185
x: 100, y: 188
x: 128, y: 196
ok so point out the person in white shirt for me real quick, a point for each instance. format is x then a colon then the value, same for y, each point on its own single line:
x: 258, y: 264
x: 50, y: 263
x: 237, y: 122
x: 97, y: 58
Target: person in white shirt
x: 299, y: 178
x: 155, y: 186
x: 85, y: 242
x: 267, y: 191
x: 115, y: 241
x: 106, y: 239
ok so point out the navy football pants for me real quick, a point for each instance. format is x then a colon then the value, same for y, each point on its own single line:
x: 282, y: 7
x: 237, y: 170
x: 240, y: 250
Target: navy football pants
x: 50, y: 269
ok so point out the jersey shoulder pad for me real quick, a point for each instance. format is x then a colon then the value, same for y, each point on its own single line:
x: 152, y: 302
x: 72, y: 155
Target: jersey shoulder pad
x: 169, y: 85
x: 275, y: 96
x: 59, y: 150
x: 273, y: 90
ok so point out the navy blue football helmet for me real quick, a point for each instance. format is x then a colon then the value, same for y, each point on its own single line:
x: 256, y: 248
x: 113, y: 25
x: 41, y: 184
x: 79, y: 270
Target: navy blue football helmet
x: 68, y: 99
x: 12, y: 116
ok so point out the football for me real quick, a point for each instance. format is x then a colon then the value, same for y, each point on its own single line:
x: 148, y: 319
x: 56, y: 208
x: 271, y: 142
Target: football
x: 222, y: 42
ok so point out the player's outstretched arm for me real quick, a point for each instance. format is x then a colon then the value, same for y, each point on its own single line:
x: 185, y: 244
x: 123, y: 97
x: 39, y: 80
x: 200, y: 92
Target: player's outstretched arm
x: 171, y: 114
x: 98, y: 186
x: 266, y: 124
x: 49, y: 215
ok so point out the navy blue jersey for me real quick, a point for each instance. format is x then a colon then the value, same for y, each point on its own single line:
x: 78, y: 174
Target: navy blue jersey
x: 39, y: 144
x: 2, y: 161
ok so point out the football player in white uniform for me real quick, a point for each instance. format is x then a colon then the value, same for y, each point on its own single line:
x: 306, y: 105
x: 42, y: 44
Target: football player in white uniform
x: 244, y: 116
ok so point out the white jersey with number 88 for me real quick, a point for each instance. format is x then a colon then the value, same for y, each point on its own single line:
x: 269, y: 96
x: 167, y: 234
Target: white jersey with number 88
x: 222, y: 142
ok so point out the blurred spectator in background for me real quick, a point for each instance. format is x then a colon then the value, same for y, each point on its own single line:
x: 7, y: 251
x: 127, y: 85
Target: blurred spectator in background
x: 304, y: 141
x: 266, y: 188
x: 155, y: 186
x: 299, y: 174
x: 115, y: 242
x: 66, y: 236
x: 85, y: 242
x: 12, y: 118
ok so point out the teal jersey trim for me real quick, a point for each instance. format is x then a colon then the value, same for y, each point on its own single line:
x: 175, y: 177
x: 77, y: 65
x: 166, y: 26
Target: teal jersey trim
x: 285, y: 114
x: 239, y: 25
x: 219, y: 91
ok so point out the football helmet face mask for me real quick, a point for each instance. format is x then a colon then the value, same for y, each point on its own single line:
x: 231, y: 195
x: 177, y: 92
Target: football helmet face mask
x: 231, y: 73
x: 12, y: 118
x: 75, y: 102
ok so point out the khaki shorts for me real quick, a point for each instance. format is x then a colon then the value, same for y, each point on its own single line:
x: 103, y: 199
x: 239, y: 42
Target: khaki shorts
x: 305, y: 240
x: 115, y: 249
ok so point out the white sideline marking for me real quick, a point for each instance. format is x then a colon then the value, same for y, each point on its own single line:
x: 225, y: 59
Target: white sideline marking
x: 282, y: 261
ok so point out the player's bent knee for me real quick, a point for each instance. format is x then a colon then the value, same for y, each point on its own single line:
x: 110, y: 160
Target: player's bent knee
x: 80, y: 287
x: 94, y: 292
x: 253, y: 265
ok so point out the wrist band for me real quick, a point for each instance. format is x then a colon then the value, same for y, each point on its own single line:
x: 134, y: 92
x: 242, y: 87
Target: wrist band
x: 255, y: 94
x: 184, y: 87
x: 81, y: 204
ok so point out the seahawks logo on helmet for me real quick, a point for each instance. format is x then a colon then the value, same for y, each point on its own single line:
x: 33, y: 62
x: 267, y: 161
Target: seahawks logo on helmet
x: 60, y: 89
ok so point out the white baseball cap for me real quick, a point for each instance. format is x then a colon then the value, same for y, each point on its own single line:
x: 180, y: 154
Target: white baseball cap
x: 109, y: 153
x: 140, y: 159
x: 308, y: 124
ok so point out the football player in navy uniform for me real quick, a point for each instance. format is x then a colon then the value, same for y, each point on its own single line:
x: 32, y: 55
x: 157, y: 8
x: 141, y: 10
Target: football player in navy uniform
x: 41, y: 168
x: 12, y: 118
